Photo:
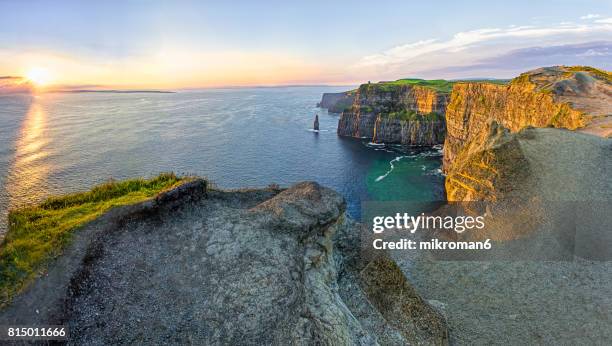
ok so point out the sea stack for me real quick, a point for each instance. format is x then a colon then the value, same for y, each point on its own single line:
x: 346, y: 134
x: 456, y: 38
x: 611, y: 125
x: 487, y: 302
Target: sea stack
x: 316, y: 123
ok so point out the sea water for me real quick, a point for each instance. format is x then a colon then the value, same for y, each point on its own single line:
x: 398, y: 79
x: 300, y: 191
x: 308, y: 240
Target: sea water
x: 56, y: 143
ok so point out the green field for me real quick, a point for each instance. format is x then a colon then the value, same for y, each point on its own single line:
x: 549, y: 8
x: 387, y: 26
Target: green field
x: 439, y: 85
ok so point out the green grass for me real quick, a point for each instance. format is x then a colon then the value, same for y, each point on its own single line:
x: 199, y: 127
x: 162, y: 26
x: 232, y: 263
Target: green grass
x: 439, y: 85
x: 37, y: 234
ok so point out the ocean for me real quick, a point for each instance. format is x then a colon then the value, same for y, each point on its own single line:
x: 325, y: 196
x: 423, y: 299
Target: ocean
x: 57, y: 143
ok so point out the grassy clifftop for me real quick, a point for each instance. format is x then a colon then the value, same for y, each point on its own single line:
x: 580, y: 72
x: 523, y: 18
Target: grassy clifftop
x: 438, y: 85
x: 37, y: 234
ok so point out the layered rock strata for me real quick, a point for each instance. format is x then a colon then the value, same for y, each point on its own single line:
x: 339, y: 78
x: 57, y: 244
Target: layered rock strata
x: 561, y: 97
x: 403, y: 114
x: 482, y: 158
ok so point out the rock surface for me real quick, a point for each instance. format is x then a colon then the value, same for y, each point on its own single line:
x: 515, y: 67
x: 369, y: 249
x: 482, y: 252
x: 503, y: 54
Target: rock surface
x: 241, y: 268
x: 406, y: 114
x: 488, y: 167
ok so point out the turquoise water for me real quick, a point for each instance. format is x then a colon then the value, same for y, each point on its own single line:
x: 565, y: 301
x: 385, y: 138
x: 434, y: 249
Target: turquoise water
x: 57, y: 143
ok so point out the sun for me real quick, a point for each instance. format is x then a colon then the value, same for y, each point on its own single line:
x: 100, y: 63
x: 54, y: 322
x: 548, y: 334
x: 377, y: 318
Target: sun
x: 38, y: 76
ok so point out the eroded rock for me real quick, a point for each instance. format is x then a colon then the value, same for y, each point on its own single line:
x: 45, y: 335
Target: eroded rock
x: 241, y: 268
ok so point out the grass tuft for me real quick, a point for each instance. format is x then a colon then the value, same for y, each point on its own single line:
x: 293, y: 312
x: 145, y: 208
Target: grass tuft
x: 37, y: 234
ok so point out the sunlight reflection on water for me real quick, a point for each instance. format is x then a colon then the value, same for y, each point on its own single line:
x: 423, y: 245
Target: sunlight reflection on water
x: 61, y: 143
x: 27, y: 175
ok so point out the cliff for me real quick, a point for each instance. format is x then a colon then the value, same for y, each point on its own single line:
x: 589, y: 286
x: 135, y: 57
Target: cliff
x: 216, y: 267
x: 488, y: 167
x: 528, y: 150
x: 482, y: 157
x: 337, y: 102
x: 409, y: 112
x: 555, y: 96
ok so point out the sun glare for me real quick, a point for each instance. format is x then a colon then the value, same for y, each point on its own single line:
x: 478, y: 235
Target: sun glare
x: 38, y: 76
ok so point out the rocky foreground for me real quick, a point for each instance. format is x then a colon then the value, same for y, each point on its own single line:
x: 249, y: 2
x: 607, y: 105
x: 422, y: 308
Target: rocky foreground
x: 240, y: 268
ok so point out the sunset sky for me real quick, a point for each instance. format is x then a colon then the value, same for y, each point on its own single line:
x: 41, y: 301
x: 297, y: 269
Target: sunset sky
x: 184, y: 44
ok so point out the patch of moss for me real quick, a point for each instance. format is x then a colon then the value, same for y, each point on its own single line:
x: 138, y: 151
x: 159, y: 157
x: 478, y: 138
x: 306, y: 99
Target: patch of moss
x: 37, y: 234
x: 366, y: 109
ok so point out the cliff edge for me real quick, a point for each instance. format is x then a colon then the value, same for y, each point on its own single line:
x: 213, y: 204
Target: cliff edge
x: 227, y: 267
x: 559, y: 96
x: 482, y: 156
x: 337, y: 102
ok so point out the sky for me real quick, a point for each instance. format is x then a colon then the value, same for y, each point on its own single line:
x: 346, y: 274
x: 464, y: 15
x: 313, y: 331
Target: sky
x: 190, y: 44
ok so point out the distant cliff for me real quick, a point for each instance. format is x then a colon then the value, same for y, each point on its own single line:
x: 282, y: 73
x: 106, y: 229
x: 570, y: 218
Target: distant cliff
x: 408, y: 111
x: 482, y: 156
x: 478, y: 120
x: 337, y: 102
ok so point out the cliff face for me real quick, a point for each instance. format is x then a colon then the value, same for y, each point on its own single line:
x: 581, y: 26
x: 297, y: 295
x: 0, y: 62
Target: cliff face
x: 337, y: 102
x: 481, y: 157
x: 396, y: 113
x: 488, y: 167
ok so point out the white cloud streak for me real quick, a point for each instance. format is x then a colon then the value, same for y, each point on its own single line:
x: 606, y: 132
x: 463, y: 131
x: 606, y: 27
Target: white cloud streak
x: 470, y: 46
x: 590, y: 16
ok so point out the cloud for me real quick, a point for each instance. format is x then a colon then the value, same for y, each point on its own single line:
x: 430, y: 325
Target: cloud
x: 512, y: 63
x: 484, y: 46
x: 11, y: 84
x: 604, y: 21
x: 590, y: 16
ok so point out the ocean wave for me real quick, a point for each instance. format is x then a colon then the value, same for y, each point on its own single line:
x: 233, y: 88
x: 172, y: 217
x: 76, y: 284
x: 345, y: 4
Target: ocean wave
x: 316, y: 131
x: 397, y: 159
x: 437, y: 171
x: 430, y: 154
